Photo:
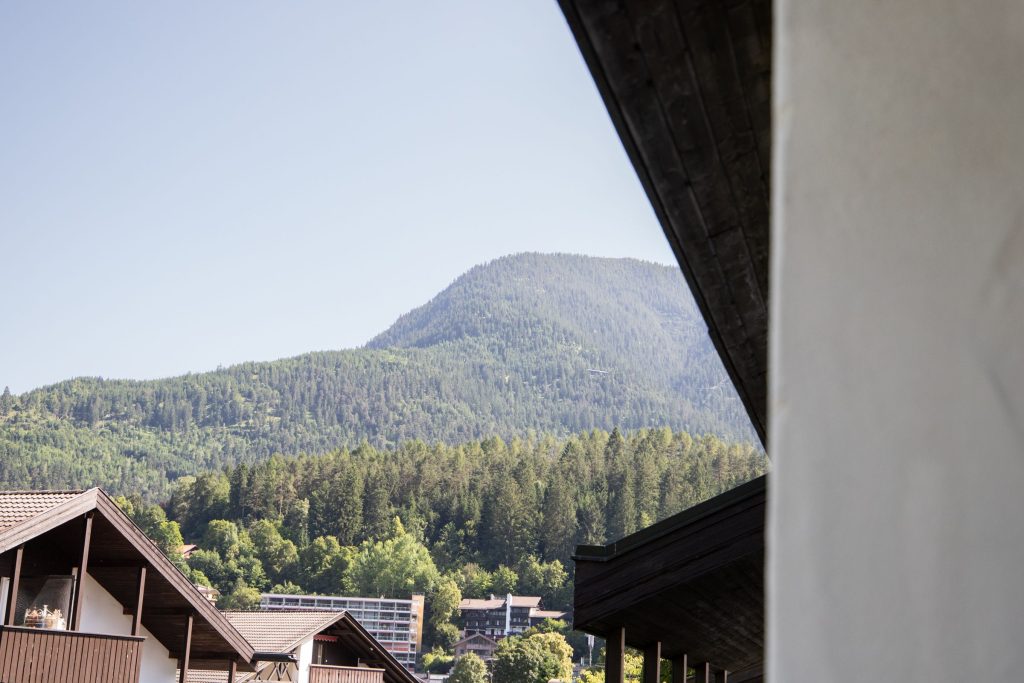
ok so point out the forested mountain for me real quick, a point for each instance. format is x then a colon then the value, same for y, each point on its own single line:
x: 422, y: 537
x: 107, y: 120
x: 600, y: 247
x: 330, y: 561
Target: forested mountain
x: 527, y: 343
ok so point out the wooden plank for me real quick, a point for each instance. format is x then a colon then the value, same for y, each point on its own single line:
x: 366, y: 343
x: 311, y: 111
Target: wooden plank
x: 61, y: 673
x: 87, y: 666
x: 136, y: 663
x: 12, y: 600
x: 187, y: 650
x: 137, y: 618
x: 4, y: 651
x: 43, y: 667
x: 680, y: 668
x: 114, y: 665
x: 83, y: 567
x: 615, y: 656
x: 18, y: 657
x: 652, y: 664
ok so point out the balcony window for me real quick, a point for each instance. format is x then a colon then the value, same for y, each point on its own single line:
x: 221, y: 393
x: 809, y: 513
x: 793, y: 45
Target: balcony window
x: 44, y: 602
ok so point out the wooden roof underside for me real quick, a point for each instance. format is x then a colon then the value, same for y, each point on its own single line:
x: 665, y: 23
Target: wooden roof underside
x: 694, y: 582
x: 688, y: 86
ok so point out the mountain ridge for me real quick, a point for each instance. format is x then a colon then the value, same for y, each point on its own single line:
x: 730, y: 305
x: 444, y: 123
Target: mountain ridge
x: 509, y: 347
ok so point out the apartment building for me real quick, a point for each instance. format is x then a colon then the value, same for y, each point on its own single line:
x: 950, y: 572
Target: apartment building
x: 396, y: 624
x: 498, y: 617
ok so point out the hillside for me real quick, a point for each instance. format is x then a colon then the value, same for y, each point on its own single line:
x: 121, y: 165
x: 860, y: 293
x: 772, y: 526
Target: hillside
x: 546, y: 343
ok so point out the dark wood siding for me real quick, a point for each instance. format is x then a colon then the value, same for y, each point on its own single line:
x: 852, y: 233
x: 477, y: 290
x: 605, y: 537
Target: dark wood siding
x: 30, y: 655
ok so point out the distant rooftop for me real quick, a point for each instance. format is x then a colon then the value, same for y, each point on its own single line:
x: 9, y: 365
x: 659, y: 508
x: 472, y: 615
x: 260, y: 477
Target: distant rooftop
x: 280, y: 631
x: 494, y: 602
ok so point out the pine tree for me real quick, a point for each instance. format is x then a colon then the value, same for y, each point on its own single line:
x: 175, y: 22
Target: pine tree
x: 558, y: 523
x: 6, y: 401
x: 621, y: 516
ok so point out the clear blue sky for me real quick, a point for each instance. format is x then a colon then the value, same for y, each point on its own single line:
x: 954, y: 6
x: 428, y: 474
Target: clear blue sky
x: 187, y: 184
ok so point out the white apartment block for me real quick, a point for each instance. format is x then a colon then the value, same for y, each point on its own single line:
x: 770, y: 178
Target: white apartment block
x: 396, y: 624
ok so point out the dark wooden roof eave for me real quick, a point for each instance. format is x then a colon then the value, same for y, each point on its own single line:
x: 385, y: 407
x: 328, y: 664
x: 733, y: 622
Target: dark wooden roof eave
x: 751, y: 490
x: 693, y: 582
x: 687, y: 86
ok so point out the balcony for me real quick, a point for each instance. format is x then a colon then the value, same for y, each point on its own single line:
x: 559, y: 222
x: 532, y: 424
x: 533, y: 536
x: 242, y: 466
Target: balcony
x: 320, y: 673
x: 30, y: 655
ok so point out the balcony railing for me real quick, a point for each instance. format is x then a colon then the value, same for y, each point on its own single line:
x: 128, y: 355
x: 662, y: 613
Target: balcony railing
x: 30, y: 655
x: 319, y: 673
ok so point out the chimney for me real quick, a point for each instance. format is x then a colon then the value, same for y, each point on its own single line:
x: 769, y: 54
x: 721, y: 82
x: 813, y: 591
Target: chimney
x: 508, y: 613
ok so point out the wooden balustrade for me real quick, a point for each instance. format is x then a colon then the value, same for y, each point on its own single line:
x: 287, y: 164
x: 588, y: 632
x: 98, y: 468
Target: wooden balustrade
x: 320, y: 673
x: 30, y: 655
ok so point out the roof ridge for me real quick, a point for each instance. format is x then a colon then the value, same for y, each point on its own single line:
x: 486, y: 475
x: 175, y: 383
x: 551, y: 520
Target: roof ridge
x: 283, y: 611
x: 23, y: 492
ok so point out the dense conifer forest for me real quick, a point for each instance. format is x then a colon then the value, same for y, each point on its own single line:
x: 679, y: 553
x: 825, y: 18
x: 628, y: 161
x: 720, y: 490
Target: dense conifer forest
x: 482, y: 517
x: 527, y: 344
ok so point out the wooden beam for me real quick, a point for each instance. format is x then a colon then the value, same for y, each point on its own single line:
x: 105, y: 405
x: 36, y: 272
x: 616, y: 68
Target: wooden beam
x: 680, y: 667
x: 615, y: 656
x: 232, y: 670
x: 118, y: 564
x: 137, y: 617
x: 12, y: 597
x: 83, y: 567
x: 208, y: 658
x: 704, y: 674
x: 652, y: 663
x: 164, y: 611
x: 187, y: 652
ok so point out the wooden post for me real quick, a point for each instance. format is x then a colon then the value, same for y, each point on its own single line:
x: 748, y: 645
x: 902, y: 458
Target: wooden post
x: 183, y: 676
x: 232, y: 670
x: 721, y: 676
x: 83, y: 566
x: 652, y: 663
x: 12, y: 597
x: 137, y: 618
x: 680, y: 667
x: 704, y: 674
x: 615, y: 656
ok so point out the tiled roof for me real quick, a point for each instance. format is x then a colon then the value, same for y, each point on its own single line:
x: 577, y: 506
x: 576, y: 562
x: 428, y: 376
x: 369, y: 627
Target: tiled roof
x: 531, y: 601
x: 476, y: 636
x: 525, y: 601
x: 18, y: 506
x: 269, y: 632
x: 548, y: 614
x: 203, y: 676
x: 472, y: 603
x: 280, y: 631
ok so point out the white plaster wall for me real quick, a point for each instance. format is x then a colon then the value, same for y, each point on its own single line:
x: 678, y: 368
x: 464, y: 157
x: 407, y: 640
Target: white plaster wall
x: 305, y: 659
x: 896, y: 542
x: 102, y: 613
